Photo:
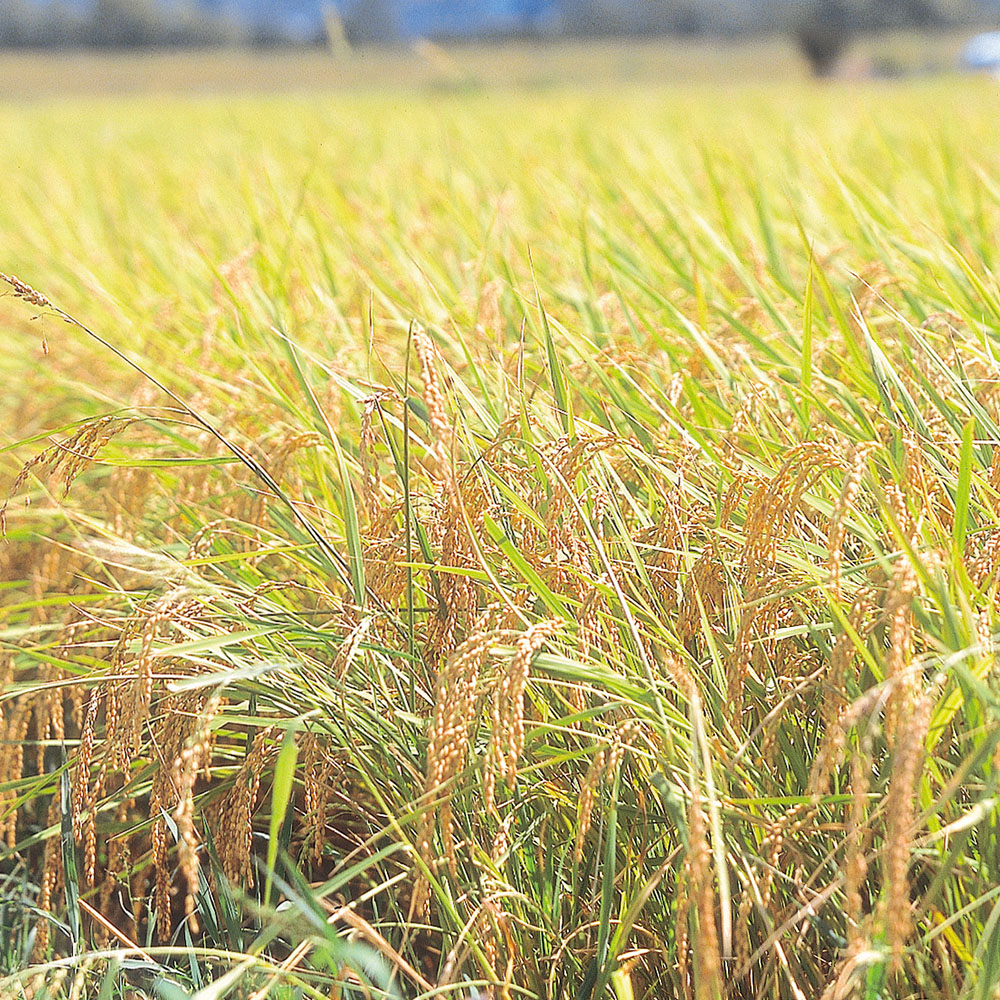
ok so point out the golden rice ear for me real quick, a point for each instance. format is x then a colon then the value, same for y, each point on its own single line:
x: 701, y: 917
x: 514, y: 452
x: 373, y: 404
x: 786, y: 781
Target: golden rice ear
x: 588, y: 792
x: 67, y: 459
x: 193, y: 758
x: 701, y: 880
x: 507, y: 711
x: 437, y: 414
x: 24, y: 291
x: 837, y: 529
x: 455, y: 712
x: 234, y: 814
x: 52, y: 881
x: 16, y: 720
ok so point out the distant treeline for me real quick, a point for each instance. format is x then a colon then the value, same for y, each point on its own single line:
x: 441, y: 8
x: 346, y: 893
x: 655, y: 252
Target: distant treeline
x: 822, y: 28
x: 127, y: 24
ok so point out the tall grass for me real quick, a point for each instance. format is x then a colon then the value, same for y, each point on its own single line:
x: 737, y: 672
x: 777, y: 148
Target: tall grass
x: 539, y: 546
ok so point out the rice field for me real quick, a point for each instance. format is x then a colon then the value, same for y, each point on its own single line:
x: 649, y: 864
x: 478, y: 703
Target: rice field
x: 511, y: 543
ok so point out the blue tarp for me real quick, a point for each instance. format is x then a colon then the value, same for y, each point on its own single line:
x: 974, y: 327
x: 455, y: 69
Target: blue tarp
x: 442, y: 18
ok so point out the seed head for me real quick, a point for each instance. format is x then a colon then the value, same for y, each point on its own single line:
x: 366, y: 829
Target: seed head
x: 25, y: 291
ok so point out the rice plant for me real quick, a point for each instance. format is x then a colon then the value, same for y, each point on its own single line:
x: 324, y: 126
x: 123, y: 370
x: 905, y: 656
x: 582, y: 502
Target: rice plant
x: 509, y: 545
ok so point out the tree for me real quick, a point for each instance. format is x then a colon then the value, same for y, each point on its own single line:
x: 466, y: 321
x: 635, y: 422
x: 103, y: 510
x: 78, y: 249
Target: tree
x: 824, y: 28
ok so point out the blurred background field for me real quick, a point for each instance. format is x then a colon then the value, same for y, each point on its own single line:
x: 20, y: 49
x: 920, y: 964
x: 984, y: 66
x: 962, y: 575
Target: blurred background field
x: 507, y: 65
x: 604, y: 64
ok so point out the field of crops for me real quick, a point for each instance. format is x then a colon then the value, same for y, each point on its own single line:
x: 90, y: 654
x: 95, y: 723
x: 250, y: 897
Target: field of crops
x: 505, y: 543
